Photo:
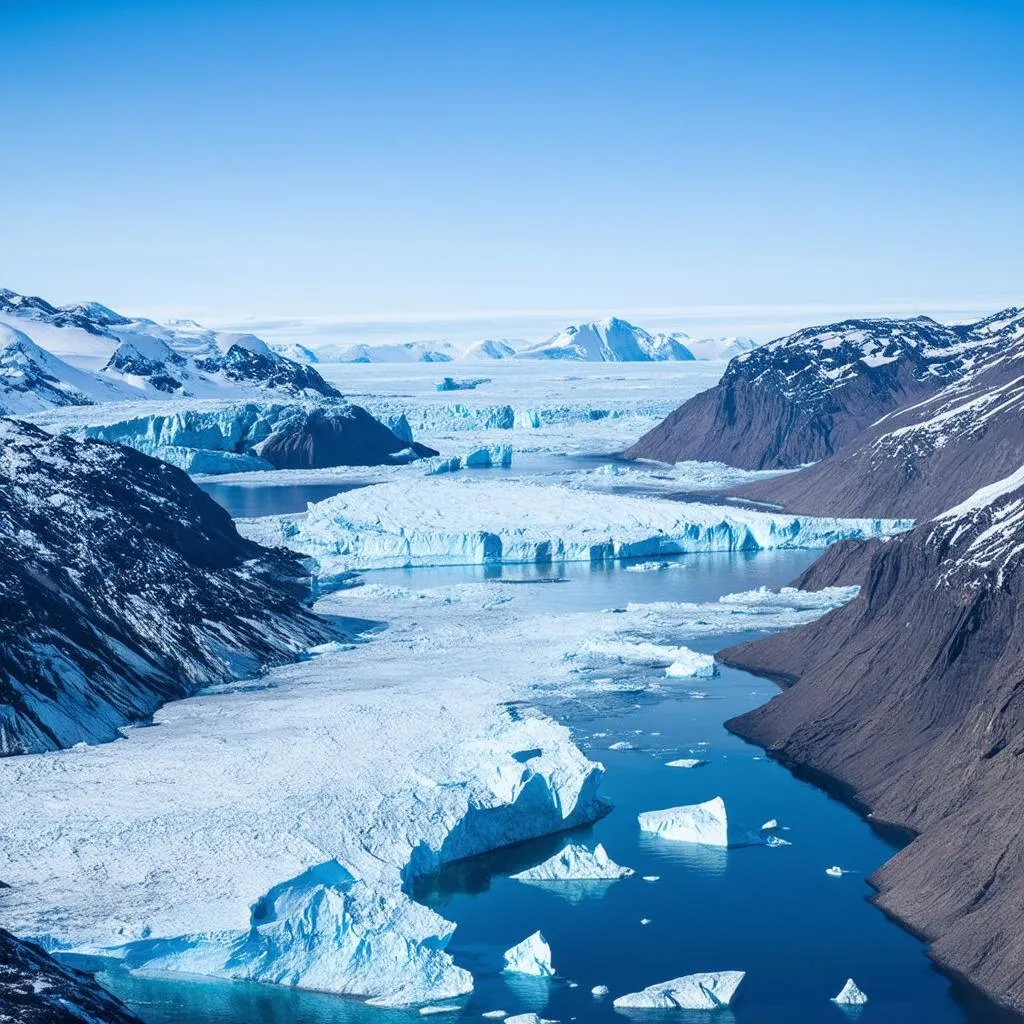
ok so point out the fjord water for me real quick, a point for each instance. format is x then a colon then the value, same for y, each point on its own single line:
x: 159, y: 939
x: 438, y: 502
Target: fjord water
x: 772, y: 912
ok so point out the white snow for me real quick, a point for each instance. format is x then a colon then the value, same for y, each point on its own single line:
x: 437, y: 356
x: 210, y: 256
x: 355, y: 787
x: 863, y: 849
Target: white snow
x: 575, y: 862
x: 531, y: 956
x: 692, y: 665
x: 850, y: 995
x: 691, y: 992
x: 704, y: 823
x: 487, y: 521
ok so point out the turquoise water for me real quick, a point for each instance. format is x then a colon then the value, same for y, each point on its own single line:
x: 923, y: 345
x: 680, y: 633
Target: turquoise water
x: 771, y: 912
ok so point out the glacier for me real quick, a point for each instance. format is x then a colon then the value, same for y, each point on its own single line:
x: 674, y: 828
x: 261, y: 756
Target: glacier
x: 488, y: 521
x: 705, y: 823
x: 709, y: 991
x: 531, y: 956
x: 576, y: 863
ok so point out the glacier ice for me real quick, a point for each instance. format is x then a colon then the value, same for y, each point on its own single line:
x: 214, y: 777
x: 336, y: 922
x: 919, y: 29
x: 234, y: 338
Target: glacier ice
x: 686, y: 762
x: 431, y: 1011
x: 772, y: 823
x: 575, y: 862
x: 704, y: 823
x: 493, y: 456
x: 850, y: 995
x: 524, y: 1018
x: 599, y: 991
x: 531, y: 956
x: 708, y: 991
x: 691, y: 665
x: 454, y: 520
x: 835, y: 871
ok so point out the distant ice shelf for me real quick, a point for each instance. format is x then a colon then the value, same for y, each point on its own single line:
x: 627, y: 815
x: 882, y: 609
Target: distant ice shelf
x: 456, y: 521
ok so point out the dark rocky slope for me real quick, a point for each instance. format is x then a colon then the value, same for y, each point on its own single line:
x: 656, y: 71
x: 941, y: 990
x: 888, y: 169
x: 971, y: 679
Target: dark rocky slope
x: 801, y: 398
x: 35, y: 989
x: 922, y: 459
x: 911, y: 700
x: 122, y: 586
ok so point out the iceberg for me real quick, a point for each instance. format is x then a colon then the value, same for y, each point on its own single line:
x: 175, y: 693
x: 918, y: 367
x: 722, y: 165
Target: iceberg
x: 686, y: 762
x: 709, y: 991
x: 531, y: 956
x: 575, y: 862
x: 524, y: 1018
x: 430, y: 1011
x: 495, y: 456
x: 769, y: 825
x: 691, y: 665
x: 455, y: 520
x: 599, y: 991
x: 851, y: 995
x: 835, y: 872
x: 704, y: 823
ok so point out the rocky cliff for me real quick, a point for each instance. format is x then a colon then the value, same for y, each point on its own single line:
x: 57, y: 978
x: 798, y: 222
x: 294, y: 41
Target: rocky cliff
x: 911, y: 700
x: 122, y: 586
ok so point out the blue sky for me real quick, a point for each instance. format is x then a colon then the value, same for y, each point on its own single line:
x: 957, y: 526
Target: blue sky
x: 428, y: 166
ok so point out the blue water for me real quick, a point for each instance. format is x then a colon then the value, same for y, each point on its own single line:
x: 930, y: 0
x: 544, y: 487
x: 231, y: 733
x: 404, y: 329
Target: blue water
x: 770, y: 912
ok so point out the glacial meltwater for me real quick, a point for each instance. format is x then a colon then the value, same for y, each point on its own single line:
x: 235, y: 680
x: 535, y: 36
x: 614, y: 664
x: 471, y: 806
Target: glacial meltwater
x: 772, y: 912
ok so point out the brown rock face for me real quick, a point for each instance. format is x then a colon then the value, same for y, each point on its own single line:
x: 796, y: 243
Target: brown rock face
x: 922, y: 459
x: 801, y: 398
x: 912, y: 699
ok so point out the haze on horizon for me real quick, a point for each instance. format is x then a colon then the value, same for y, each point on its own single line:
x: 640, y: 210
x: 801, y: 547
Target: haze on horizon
x: 408, y: 169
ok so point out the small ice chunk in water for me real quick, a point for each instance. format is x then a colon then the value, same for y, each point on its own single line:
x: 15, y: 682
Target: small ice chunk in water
x: 651, y: 878
x: 599, y: 991
x: 851, y: 995
x: 523, y: 1018
x: 834, y: 872
x: 429, y: 1011
x: 575, y: 862
x: 494, y: 1014
x: 704, y: 823
x: 691, y: 665
x: 531, y: 956
x: 645, y: 920
x: 769, y: 825
x: 622, y: 745
x: 691, y: 992
x: 686, y: 762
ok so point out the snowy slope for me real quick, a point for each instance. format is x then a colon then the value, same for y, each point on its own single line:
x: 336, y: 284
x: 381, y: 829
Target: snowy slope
x: 147, y: 359
x: 124, y: 586
x: 398, y: 352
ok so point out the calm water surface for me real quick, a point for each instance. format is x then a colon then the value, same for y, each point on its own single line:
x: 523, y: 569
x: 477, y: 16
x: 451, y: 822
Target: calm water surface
x: 773, y: 913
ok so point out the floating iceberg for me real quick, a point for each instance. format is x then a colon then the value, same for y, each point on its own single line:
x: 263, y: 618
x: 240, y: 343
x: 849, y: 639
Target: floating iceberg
x: 652, y: 878
x: 430, y: 1011
x: 686, y: 762
x: 599, y: 991
x: 531, y: 956
x: 494, y: 1014
x: 769, y: 825
x: 524, y: 1018
x: 645, y: 920
x: 835, y: 872
x: 691, y: 665
x: 455, y: 520
x: 495, y: 456
x: 704, y: 823
x: 851, y: 995
x: 575, y: 862
x: 692, y: 992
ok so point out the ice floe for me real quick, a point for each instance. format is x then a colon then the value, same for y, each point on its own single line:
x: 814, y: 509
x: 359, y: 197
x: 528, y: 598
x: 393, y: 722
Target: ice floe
x: 599, y: 991
x: 708, y: 991
x: 531, y: 956
x: 686, y: 762
x: 835, y: 871
x: 691, y: 665
x: 850, y: 995
x: 705, y: 823
x: 576, y: 863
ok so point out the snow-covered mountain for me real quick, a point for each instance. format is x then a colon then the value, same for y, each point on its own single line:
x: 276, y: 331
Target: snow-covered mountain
x: 909, y: 698
x: 925, y: 457
x: 723, y: 349
x: 493, y: 348
x: 398, y: 352
x: 87, y: 353
x: 123, y: 586
x: 611, y: 340
x: 800, y: 398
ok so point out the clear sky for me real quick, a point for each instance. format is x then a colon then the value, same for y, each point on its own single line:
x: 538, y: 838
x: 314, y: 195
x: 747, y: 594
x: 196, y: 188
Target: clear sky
x: 512, y: 163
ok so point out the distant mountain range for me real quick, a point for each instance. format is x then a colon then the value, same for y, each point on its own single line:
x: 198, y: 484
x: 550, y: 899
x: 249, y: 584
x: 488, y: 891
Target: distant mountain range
x: 86, y: 353
x: 611, y: 340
